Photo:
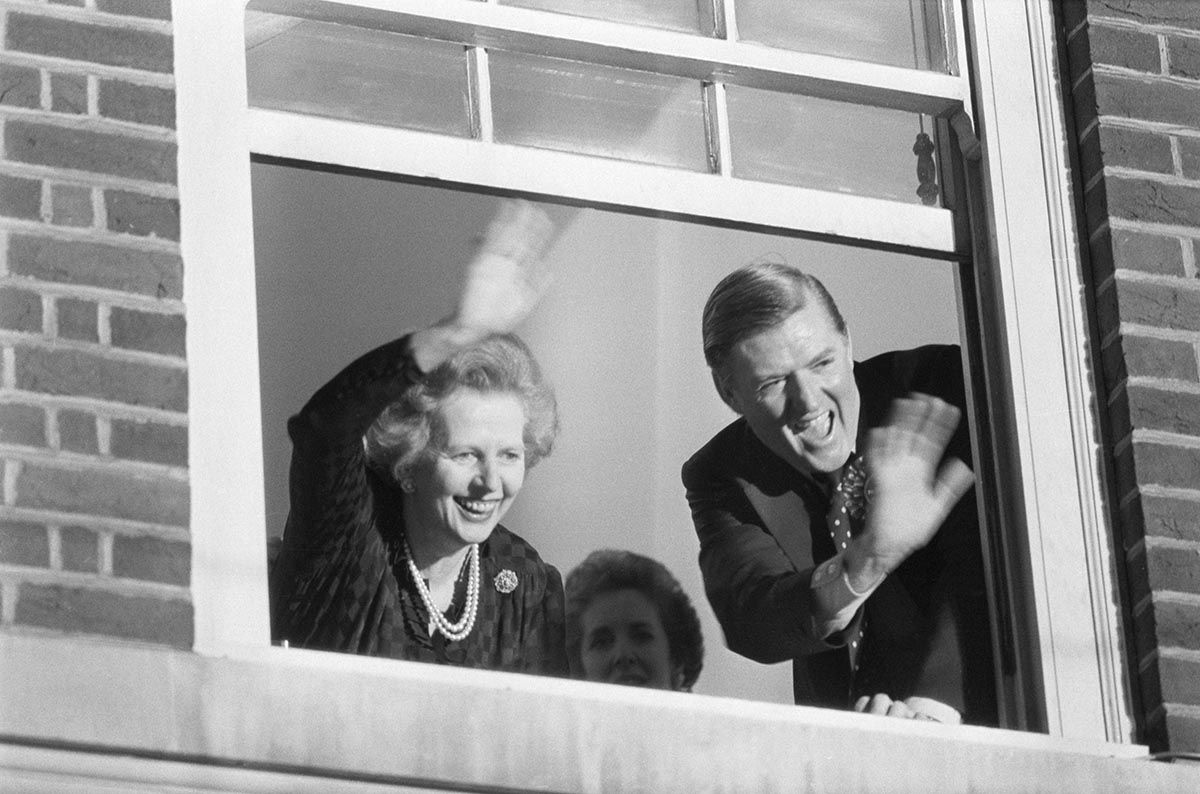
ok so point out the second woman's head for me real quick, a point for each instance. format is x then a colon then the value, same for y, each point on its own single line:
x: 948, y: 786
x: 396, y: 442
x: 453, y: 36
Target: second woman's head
x: 458, y: 442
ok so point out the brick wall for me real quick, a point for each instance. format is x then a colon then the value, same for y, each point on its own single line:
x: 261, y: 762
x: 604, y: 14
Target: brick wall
x: 1134, y: 70
x: 93, y: 396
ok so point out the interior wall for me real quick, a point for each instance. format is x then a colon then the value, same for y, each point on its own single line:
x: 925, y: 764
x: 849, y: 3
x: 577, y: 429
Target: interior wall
x: 346, y: 262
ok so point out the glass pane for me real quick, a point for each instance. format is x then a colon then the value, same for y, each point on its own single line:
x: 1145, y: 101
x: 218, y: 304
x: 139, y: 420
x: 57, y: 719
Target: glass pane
x: 894, y: 32
x: 617, y: 334
x: 553, y: 103
x: 829, y: 145
x: 352, y: 73
x: 682, y: 15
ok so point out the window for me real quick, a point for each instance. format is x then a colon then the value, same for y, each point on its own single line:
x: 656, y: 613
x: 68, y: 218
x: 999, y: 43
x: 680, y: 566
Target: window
x: 696, y: 102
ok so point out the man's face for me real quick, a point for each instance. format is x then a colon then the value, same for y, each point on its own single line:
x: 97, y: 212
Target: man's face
x: 794, y: 384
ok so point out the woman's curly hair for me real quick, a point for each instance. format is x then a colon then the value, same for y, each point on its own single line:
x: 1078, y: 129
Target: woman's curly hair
x: 411, y: 429
x: 608, y: 570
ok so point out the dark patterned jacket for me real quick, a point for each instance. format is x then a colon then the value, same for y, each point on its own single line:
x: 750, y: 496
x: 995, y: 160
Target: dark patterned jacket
x: 340, y: 582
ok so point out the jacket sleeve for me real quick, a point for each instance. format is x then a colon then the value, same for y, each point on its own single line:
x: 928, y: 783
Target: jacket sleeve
x: 331, y: 500
x: 761, y: 600
x: 547, y: 625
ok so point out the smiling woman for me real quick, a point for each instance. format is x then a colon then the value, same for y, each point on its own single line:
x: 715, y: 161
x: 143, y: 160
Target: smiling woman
x: 403, y: 466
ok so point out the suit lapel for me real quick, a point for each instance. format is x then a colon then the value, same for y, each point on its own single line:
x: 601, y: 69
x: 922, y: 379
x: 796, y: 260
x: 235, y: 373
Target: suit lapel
x: 769, y: 486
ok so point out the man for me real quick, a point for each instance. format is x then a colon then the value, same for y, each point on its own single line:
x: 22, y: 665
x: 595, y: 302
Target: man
x: 836, y: 517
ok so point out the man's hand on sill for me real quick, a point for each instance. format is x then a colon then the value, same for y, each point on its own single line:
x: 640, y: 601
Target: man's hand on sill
x: 913, y: 708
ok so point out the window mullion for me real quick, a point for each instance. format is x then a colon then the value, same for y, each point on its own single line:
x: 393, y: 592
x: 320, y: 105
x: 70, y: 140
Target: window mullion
x: 480, y: 87
x: 645, y: 49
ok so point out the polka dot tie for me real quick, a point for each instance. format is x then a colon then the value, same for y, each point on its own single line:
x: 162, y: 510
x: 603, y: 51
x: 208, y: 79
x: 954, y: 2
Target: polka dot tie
x: 845, y: 520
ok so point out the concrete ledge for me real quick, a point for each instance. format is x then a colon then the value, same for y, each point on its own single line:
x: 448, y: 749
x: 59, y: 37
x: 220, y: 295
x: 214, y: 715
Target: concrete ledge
x: 342, y: 719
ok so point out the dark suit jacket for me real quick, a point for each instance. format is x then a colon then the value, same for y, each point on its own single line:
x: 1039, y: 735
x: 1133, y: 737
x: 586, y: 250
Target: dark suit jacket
x: 762, y: 531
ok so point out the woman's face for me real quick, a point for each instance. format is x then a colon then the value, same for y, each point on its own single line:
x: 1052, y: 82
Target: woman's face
x: 623, y: 641
x: 460, y: 495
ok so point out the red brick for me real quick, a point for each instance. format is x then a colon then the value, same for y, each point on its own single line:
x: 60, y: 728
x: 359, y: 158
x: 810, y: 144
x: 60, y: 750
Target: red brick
x: 1119, y: 420
x: 1153, y: 202
x: 1159, y: 305
x: 1138, y: 576
x: 88, y: 150
x: 83, y: 374
x: 80, y: 41
x: 1183, y: 731
x: 1083, y: 99
x: 1151, y: 688
x: 1149, y: 253
x: 68, y: 94
x: 91, y: 264
x: 1123, y: 47
x: 20, y: 197
x: 1095, y: 203
x: 153, y: 9
x: 20, y: 86
x: 1164, y: 409
x: 77, y: 320
x: 1135, y: 149
x: 1177, y: 519
x: 149, y: 331
x: 1177, y: 13
x: 1189, y: 155
x: 24, y: 544
x: 1160, y: 464
x: 87, y: 611
x: 138, y: 103
x: 1174, y: 568
x: 1146, y: 356
x: 80, y: 549
x: 1147, y: 99
x: 1108, y: 312
x: 1091, y: 159
x: 77, y: 432
x: 20, y: 310
x: 1177, y: 625
x: 137, y: 213
x: 101, y: 492
x: 152, y: 559
x: 1100, y: 256
x: 150, y: 441
x: 22, y: 424
x: 72, y: 205
x: 1185, y: 56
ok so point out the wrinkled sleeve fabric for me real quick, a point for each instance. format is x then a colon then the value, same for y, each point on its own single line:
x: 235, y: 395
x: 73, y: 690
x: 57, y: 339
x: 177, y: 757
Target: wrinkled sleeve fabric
x: 764, y: 604
x: 547, y: 625
x: 331, y: 562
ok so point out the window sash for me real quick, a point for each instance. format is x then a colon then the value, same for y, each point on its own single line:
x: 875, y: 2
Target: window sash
x: 1034, y: 270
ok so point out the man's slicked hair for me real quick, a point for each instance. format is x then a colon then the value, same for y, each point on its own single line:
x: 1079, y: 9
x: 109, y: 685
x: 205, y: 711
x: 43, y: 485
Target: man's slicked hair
x: 755, y: 298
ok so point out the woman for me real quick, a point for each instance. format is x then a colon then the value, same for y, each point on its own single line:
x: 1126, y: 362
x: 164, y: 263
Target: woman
x: 403, y: 466
x: 629, y: 622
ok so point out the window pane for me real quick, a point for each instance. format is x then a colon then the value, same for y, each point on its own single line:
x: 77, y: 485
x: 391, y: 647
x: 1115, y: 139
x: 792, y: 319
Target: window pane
x: 553, y: 103
x: 819, y: 143
x: 679, y: 15
x: 892, y: 32
x: 617, y: 335
x: 352, y: 73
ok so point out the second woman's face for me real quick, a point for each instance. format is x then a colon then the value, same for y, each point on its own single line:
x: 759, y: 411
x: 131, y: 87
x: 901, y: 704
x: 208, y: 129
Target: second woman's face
x: 459, y: 497
x: 623, y: 641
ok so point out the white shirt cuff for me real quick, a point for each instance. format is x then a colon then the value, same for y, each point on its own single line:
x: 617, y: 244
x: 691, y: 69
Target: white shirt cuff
x: 934, y: 709
x: 834, y: 601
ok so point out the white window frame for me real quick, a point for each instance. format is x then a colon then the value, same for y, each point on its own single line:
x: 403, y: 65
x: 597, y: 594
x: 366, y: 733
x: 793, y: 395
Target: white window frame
x: 1053, y: 458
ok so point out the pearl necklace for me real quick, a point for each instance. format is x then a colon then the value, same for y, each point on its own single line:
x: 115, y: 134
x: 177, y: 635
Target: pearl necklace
x: 452, y: 631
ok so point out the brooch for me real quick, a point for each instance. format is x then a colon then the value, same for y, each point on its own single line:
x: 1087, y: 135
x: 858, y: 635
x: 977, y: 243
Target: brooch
x: 505, y: 581
x: 856, y: 486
